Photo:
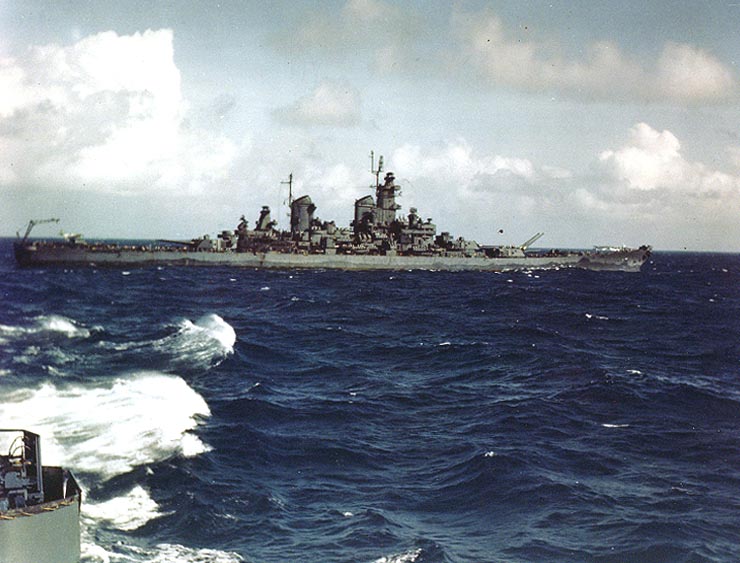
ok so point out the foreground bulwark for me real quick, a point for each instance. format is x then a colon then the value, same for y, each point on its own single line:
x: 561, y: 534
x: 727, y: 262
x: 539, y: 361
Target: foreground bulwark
x: 48, y: 535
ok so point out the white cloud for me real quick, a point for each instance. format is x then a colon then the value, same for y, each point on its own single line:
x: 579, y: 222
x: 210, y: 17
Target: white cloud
x: 330, y: 104
x: 682, y: 74
x: 105, y: 114
x: 475, y: 194
x: 645, y: 191
x: 652, y: 161
x: 686, y: 73
x: 458, y: 164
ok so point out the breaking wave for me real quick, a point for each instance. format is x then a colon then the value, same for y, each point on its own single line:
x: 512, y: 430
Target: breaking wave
x: 161, y: 553
x: 201, y: 344
x: 48, y: 325
x: 109, y: 429
x: 210, y: 336
x: 128, y: 512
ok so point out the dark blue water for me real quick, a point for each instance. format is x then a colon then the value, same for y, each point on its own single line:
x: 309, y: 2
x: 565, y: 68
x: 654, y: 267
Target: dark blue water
x: 221, y: 415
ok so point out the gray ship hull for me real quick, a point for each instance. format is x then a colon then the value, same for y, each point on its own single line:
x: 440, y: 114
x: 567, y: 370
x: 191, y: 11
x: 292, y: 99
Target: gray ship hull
x: 50, y: 534
x: 40, y: 254
x: 39, y: 505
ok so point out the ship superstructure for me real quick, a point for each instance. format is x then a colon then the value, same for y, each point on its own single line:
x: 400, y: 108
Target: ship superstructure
x: 377, y: 238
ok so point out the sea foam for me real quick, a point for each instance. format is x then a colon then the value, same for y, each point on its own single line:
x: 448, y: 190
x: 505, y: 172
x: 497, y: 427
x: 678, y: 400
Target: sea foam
x: 109, y: 429
x: 408, y: 557
x: 127, y: 512
x: 208, y: 339
x: 48, y: 324
x: 161, y: 553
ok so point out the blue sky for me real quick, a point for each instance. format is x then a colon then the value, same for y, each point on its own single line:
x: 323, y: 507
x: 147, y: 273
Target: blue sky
x: 596, y: 122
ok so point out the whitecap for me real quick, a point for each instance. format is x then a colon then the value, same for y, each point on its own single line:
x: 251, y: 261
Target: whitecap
x: 215, y: 327
x: 55, y: 324
x: 160, y: 553
x: 444, y: 344
x: 407, y: 557
x: 209, y: 338
x: 608, y: 425
x: 127, y: 512
x: 111, y: 428
x: 63, y: 325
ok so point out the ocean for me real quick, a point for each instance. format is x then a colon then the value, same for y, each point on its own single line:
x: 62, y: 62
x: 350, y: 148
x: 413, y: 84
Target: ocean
x: 222, y: 415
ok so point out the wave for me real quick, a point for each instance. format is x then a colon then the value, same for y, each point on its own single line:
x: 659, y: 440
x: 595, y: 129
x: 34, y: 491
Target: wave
x: 109, y: 429
x: 106, y: 430
x: 128, y: 512
x: 200, y: 344
x: 161, y: 553
x: 407, y: 557
x: 49, y: 325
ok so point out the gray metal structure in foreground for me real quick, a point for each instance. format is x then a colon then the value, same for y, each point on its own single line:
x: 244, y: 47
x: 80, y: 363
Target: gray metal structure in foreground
x: 39, y: 506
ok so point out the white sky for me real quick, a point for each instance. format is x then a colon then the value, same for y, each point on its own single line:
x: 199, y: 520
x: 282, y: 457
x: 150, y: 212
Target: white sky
x: 596, y: 122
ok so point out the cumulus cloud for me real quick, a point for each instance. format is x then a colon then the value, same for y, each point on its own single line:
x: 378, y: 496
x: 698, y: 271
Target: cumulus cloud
x: 330, y: 104
x: 458, y: 164
x: 477, y: 194
x: 683, y: 73
x: 645, y: 191
x: 105, y: 114
x: 652, y: 161
x: 657, y: 190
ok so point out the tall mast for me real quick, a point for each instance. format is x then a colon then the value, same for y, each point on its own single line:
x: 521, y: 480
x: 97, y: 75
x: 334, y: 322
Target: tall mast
x: 377, y: 170
x: 289, y: 182
x: 290, y: 188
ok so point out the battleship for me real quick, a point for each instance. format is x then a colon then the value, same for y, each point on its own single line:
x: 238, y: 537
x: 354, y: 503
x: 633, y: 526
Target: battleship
x: 378, y: 238
x: 39, y: 505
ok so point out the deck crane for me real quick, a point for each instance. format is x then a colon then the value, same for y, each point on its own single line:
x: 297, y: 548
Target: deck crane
x: 31, y: 224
